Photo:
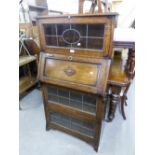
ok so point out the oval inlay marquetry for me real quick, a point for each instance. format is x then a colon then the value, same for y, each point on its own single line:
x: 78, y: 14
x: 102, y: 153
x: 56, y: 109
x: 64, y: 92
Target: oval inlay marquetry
x: 69, y: 71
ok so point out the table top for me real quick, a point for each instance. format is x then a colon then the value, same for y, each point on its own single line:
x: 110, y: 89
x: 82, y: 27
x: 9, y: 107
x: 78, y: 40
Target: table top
x: 117, y: 75
x: 124, y: 41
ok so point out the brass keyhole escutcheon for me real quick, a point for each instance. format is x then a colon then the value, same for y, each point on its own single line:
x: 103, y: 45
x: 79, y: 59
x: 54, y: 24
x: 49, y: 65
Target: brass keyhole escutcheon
x: 70, y: 58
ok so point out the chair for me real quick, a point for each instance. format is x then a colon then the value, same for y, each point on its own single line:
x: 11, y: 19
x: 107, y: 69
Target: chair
x: 95, y: 3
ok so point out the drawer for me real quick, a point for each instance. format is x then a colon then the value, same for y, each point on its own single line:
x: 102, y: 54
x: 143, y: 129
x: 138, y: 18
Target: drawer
x: 85, y: 74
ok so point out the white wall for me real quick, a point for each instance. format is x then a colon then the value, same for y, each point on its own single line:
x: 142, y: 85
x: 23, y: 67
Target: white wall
x: 126, y: 12
x: 68, y: 6
x: 126, y: 9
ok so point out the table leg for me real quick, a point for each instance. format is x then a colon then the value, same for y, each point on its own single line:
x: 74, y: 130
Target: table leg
x: 123, y: 103
x: 130, y: 68
x: 114, y: 100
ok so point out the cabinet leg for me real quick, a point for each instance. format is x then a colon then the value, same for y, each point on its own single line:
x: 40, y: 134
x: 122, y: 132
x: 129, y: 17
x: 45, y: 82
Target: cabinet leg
x: 96, y: 148
x: 112, y: 109
x: 124, y: 101
x: 20, y: 108
x: 106, y: 101
x: 47, y: 127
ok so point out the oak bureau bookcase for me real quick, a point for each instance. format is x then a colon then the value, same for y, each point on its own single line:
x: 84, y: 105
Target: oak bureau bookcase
x: 73, y: 70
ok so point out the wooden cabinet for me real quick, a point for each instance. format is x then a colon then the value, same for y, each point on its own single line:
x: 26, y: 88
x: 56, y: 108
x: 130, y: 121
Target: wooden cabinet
x: 73, y: 70
x: 121, y: 75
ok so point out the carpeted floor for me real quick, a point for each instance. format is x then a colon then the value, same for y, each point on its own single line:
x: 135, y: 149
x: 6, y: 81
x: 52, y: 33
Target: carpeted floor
x: 117, y: 137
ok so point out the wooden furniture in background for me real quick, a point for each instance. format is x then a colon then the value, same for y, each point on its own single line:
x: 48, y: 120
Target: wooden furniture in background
x: 32, y: 37
x: 27, y: 73
x: 28, y: 58
x: 30, y: 9
x: 95, y: 3
x: 73, y: 70
x: 120, y: 79
x: 36, y: 10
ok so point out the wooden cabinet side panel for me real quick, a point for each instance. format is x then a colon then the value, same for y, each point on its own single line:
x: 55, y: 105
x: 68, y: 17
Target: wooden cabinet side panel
x: 99, y: 116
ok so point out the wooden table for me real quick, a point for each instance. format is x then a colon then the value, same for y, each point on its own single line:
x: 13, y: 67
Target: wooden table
x: 120, y: 78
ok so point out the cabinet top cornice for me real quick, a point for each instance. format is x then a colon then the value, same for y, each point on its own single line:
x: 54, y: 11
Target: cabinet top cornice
x: 79, y: 15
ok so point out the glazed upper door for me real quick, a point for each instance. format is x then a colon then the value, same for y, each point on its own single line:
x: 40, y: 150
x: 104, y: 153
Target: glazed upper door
x: 78, y: 35
x: 79, y: 73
